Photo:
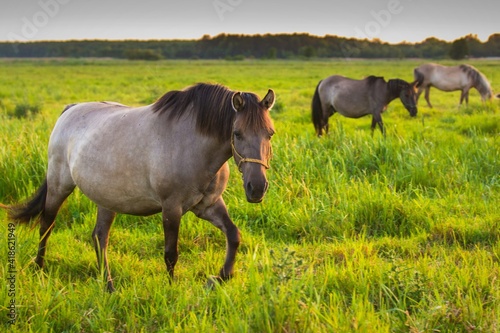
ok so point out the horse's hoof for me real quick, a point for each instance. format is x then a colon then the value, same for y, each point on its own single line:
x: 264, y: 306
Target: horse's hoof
x: 110, y: 287
x: 213, y: 281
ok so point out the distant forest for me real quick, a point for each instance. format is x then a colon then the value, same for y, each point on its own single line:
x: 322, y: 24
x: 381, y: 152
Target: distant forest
x: 269, y: 46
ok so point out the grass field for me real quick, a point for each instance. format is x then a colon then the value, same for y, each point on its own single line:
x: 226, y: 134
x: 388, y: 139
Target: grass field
x: 356, y: 234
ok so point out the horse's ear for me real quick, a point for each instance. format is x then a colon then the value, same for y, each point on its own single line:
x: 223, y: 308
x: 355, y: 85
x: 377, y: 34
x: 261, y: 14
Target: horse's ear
x: 237, y: 102
x: 268, y: 101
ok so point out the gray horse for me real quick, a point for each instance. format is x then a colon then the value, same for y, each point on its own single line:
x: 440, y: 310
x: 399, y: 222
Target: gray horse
x: 169, y: 157
x: 452, y: 78
x: 357, y: 98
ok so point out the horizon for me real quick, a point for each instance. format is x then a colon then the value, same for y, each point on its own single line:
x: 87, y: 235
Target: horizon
x: 390, y: 21
x: 482, y: 40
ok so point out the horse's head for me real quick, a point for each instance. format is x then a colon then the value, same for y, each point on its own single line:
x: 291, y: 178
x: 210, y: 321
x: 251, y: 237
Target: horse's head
x: 486, y: 92
x: 251, y: 141
x: 408, y: 96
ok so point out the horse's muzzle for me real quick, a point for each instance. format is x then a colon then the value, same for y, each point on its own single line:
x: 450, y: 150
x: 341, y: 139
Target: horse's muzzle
x: 255, y: 191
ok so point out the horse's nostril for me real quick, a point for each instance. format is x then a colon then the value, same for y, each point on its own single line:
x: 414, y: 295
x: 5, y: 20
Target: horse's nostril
x: 249, y: 187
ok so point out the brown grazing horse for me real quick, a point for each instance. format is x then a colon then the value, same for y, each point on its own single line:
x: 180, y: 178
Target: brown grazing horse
x: 357, y: 98
x: 169, y: 157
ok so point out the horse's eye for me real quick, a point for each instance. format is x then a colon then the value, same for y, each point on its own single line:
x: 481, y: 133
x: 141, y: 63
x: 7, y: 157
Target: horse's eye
x: 237, y: 135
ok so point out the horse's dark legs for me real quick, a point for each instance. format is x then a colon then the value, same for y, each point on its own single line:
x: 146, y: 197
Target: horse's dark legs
x: 171, y: 222
x: 323, y: 125
x: 427, y: 92
x: 326, y: 116
x: 377, y: 120
x: 464, y: 96
x: 53, y: 202
x: 217, y: 215
x: 100, y: 236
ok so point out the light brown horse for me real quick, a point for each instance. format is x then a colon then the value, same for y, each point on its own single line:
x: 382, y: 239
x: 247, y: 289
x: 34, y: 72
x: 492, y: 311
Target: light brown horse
x: 357, y: 98
x: 452, y: 78
x: 169, y: 157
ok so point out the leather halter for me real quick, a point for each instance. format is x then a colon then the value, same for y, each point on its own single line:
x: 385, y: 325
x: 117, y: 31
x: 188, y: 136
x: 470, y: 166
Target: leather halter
x: 247, y: 159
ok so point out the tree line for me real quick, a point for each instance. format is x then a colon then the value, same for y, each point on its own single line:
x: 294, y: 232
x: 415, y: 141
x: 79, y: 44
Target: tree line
x: 268, y: 46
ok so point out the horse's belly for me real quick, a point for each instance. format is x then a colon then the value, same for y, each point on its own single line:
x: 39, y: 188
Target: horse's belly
x: 448, y: 83
x: 138, y: 206
x: 448, y: 87
x: 122, y: 201
x: 348, y: 105
x: 351, y: 111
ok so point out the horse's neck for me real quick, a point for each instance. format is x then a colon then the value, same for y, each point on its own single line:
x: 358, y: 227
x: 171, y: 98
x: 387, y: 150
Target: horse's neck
x: 224, y: 154
x: 214, y: 155
x: 393, y: 90
x: 201, y: 151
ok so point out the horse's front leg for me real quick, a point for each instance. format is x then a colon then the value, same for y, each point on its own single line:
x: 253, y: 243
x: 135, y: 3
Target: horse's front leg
x: 464, y: 96
x: 100, y: 236
x: 171, y: 222
x: 217, y: 215
x: 377, y: 120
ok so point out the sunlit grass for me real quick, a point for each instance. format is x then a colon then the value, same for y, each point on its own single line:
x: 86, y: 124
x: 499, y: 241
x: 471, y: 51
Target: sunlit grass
x: 356, y: 233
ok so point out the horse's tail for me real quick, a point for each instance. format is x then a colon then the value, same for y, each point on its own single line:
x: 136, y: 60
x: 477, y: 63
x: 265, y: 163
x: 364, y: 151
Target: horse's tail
x: 418, y: 76
x: 67, y: 107
x: 30, y: 210
x: 317, y: 111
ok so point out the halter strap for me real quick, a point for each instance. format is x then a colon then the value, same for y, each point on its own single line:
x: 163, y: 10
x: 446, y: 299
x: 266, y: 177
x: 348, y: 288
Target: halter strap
x: 246, y: 159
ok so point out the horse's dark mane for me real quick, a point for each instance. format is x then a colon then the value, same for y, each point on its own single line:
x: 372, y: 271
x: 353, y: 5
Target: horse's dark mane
x: 480, y: 82
x: 397, y: 84
x: 470, y: 71
x: 394, y: 86
x: 211, y: 105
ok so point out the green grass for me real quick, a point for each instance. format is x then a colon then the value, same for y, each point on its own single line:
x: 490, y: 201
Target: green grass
x: 356, y: 234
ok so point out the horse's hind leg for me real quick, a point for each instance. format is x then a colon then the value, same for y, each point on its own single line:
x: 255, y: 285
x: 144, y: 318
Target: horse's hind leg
x: 217, y: 215
x: 54, y: 200
x: 330, y: 110
x: 427, y: 98
x: 100, y: 236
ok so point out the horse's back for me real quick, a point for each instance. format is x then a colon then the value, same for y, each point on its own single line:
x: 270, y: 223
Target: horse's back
x: 339, y: 85
x: 82, y: 117
x: 94, y: 127
x: 446, y: 78
x: 350, y: 97
x: 102, y: 148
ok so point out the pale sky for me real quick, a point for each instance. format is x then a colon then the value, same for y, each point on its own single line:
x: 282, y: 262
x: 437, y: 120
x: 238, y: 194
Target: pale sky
x: 391, y: 21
